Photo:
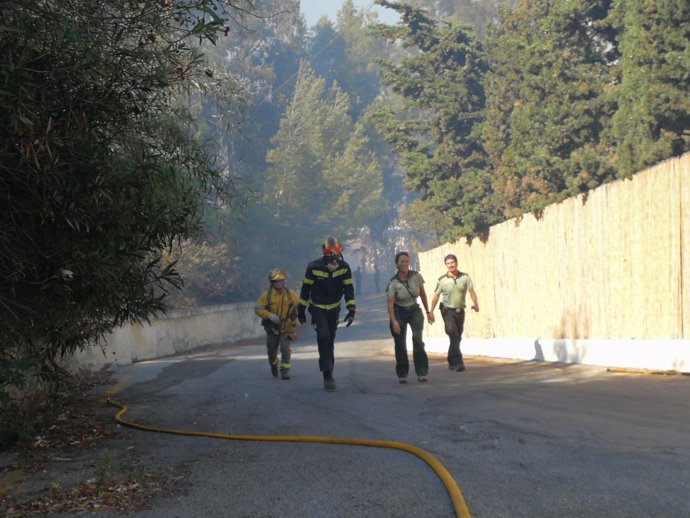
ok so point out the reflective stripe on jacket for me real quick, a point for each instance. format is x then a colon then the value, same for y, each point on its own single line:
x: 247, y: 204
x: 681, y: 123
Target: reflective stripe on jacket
x: 325, y: 289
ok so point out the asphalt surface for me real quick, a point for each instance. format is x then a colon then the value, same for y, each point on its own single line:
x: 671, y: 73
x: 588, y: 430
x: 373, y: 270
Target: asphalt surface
x: 520, y: 439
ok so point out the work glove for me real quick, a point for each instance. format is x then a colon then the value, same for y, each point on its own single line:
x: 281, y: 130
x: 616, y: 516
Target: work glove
x: 274, y: 318
x: 301, y: 316
x: 350, y: 317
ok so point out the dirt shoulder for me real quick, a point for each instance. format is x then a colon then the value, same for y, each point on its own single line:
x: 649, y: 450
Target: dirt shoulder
x: 76, y: 464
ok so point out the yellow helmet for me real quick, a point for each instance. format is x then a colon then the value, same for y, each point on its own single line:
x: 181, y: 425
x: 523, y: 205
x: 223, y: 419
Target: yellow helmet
x: 276, y: 275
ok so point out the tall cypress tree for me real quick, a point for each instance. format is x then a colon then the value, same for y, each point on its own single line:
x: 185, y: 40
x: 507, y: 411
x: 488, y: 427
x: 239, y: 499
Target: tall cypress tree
x: 652, y: 121
x: 546, y: 102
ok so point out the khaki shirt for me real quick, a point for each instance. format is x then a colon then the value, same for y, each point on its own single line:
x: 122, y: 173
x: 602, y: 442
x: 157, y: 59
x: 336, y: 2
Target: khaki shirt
x: 405, y: 296
x: 453, y: 290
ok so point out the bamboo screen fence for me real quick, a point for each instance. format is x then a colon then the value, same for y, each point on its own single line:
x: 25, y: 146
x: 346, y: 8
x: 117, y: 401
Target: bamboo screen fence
x: 614, y: 263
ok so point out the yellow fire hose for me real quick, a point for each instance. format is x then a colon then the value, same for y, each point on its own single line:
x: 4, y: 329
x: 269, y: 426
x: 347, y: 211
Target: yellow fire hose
x: 456, y: 497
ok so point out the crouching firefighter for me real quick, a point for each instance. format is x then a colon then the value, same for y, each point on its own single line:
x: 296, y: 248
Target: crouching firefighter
x: 277, y: 308
x: 327, y: 280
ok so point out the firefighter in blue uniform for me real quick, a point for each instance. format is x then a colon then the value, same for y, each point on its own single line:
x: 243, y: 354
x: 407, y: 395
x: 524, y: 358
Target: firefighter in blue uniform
x: 327, y: 280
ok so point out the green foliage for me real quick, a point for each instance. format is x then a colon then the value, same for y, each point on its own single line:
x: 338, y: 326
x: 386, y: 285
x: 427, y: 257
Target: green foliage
x: 263, y: 59
x: 322, y: 179
x: 429, y: 221
x: 547, y: 106
x: 327, y: 52
x: 350, y: 48
x: 339, y: 54
x: 437, y: 136
x: 652, y: 119
x: 314, y: 129
x: 99, y: 170
x: 576, y: 94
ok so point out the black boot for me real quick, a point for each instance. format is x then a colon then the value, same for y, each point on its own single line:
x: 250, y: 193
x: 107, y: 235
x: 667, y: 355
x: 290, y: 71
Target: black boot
x: 328, y: 381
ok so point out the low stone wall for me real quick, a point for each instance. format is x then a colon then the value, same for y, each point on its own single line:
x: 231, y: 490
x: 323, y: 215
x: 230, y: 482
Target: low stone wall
x: 176, y: 332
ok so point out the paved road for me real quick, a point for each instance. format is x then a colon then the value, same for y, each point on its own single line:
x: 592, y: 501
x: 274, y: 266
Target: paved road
x: 520, y: 439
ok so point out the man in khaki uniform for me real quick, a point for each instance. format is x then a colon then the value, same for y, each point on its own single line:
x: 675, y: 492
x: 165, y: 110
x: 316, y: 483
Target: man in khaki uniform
x: 452, y: 288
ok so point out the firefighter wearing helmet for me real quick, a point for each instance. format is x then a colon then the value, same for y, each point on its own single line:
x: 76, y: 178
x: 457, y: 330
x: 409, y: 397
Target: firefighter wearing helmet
x: 327, y: 281
x: 277, y: 309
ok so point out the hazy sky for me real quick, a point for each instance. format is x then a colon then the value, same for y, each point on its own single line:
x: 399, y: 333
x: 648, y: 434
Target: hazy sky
x: 315, y: 9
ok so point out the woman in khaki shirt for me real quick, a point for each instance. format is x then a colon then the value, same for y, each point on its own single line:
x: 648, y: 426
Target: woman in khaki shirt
x: 403, y: 290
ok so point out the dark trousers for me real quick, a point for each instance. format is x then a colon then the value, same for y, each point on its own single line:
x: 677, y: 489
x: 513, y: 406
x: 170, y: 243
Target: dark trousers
x: 415, y: 318
x: 281, y: 342
x: 454, y: 322
x: 326, y: 324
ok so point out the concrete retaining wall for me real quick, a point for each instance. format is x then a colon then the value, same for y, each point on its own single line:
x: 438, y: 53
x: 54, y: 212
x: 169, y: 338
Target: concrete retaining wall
x: 176, y: 332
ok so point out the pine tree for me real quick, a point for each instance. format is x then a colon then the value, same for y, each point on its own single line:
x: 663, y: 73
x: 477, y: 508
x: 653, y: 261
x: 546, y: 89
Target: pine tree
x: 652, y: 120
x: 322, y: 179
x: 436, y: 136
x: 342, y: 53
